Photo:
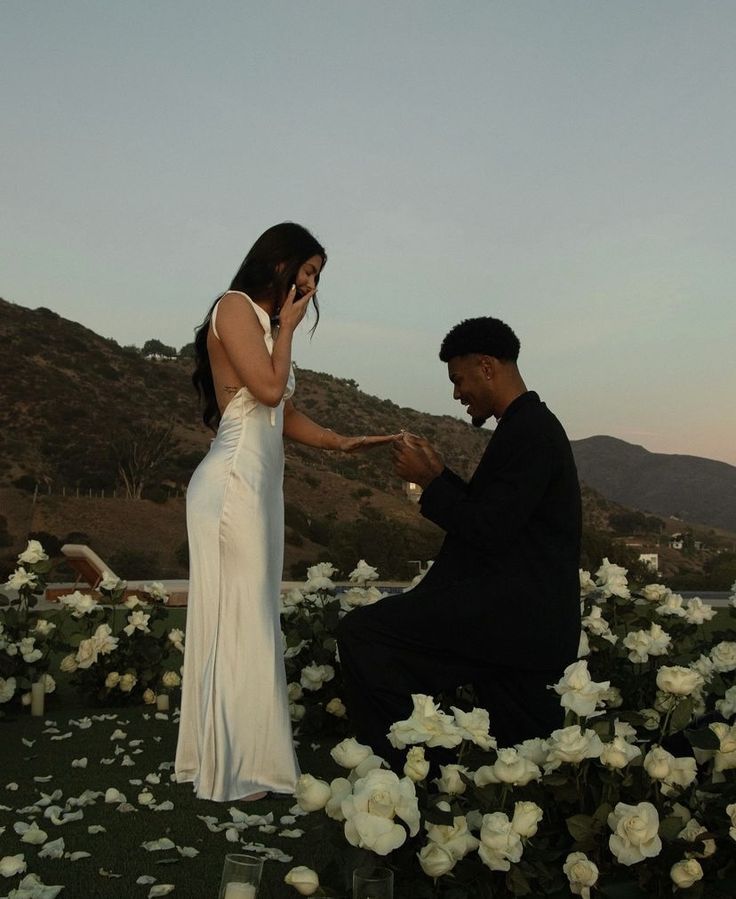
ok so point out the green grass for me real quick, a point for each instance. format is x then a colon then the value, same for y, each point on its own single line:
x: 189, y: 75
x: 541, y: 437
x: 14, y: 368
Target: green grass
x: 118, y: 849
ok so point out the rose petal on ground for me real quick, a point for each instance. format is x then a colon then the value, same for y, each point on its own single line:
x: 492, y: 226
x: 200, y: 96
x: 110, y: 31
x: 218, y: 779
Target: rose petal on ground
x: 187, y: 851
x: 158, y: 845
x: 76, y: 856
x: 161, y: 889
x: 54, y: 849
x: 96, y: 828
x: 79, y: 763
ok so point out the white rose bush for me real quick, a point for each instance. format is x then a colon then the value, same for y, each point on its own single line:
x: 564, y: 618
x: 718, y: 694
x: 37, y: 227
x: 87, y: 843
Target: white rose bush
x: 120, y: 651
x: 27, y: 638
x: 309, y: 618
x: 633, y: 796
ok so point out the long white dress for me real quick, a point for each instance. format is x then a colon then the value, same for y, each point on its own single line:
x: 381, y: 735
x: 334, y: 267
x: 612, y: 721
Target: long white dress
x: 235, y: 732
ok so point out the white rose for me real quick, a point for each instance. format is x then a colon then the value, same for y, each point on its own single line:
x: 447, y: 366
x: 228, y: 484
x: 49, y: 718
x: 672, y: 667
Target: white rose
x: 376, y: 800
x: 294, y: 691
x: 10, y: 865
x: 725, y: 757
x: 671, y: 605
x: 587, y: 584
x: 49, y: 683
x: 304, y: 880
x: 112, y: 680
x: 170, y: 679
x: 79, y: 604
x: 579, y: 692
x: 635, y: 832
x: 500, y: 844
x: 374, y: 832
x: 363, y: 572
x: 450, y: 780
x: 127, y: 682
x: 654, y: 642
x: 685, y: 873
x: 435, y: 860
x: 28, y: 650
x: 678, y: 681
x: 368, y: 764
x: 454, y: 838
x: 727, y: 705
x: 86, y: 654
x: 535, y: 750
x: 651, y: 718
x: 474, y: 726
x: 526, y: 818
x: 103, y: 640
x: 311, y: 794
x: 7, y: 689
x: 731, y: 812
x: 618, y: 753
x: 157, y: 591
x: 655, y: 592
x: 427, y: 724
x: 697, y: 611
x: 21, y: 579
x: 340, y: 789
x: 416, y: 766
x: 44, y: 627
x: 315, y: 676
x: 611, y: 579
x: 359, y: 596
x: 33, y: 553
x: 510, y: 767
x: 723, y: 656
x: 149, y: 697
x: 296, y: 711
x: 596, y: 624
x: 572, y: 745
x: 26, y: 698
x: 176, y: 636
x: 110, y: 583
x: 68, y: 664
x: 350, y: 753
x: 691, y: 832
x: 581, y: 872
x: 336, y: 707
x: 137, y: 621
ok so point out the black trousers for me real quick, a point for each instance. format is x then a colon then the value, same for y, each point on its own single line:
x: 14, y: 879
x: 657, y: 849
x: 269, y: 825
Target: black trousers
x: 426, y: 641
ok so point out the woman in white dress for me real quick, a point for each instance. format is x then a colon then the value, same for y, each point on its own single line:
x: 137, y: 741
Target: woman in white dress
x: 235, y: 738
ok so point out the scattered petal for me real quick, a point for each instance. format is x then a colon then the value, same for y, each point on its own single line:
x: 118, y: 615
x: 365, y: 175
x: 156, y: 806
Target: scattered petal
x: 161, y: 889
x: 187, y: 851
x: 96, y: 828
x: 158, y: 845
x: 79, y: 763
x: 118, y: 735
x: 145, y: 879
x: 54, y: 849
x: 76, y: 856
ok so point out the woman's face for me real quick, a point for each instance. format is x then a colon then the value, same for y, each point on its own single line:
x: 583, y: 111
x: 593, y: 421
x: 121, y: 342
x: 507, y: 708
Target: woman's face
x: 308, y: 275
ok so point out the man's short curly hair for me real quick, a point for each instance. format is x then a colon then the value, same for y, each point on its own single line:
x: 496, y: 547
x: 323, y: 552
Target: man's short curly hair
x: 485, y: 335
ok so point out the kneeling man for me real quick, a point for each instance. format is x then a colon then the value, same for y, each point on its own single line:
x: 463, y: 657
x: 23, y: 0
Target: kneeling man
x: 500, y: 607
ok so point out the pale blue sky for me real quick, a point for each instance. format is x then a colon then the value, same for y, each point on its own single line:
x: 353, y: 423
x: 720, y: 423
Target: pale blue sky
x: 566, y: 166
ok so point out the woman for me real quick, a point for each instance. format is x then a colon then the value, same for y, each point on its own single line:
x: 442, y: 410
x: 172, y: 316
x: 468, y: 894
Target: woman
x: 235, y: 737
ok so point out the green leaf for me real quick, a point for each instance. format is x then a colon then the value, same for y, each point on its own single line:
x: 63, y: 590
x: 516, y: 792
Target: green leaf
x: 670, y: 827
x: 517, y: 883
x: 580, y: 827
x: 703, y: 739
x: 682, y: 715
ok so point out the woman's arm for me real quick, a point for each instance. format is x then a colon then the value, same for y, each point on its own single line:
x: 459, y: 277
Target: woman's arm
x: 300, y: 428
x: 241, y: 335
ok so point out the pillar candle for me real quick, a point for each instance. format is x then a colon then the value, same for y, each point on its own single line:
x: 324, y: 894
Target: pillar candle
x: 240, y: 891
x: 162, y: 702
x: 38, y: 692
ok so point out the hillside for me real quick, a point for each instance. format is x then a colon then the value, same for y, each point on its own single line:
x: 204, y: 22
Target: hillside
x: 688, y: 487
x: 79, y: 413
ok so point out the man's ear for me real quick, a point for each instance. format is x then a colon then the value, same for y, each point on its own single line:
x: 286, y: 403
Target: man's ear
x: 488, y: 366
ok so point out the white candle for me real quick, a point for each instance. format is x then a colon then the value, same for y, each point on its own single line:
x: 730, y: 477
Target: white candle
x: 38, y: 693
x: 240, y: 891
x: 162, y: 702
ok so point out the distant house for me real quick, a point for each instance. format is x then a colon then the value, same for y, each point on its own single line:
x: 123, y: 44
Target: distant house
x: 651, y: 560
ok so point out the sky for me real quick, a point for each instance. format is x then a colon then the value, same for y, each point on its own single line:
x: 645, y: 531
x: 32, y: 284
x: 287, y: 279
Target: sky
x: 565, y: 166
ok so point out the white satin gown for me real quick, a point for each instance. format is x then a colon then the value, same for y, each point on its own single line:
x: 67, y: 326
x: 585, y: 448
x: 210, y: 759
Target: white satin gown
x: 235, y: 732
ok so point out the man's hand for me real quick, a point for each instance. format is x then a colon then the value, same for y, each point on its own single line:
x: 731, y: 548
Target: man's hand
x: 416, y: 460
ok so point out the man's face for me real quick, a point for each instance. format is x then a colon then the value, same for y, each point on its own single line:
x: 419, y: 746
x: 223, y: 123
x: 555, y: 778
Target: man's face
x: 473, y: 385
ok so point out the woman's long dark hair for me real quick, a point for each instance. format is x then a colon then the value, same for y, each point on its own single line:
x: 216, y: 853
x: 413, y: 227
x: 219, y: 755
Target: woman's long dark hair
x: 267, y: 273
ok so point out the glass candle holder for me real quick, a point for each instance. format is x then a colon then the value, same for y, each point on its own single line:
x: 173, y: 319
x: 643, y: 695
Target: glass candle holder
x: 241, y: 877
x: 373, y: 882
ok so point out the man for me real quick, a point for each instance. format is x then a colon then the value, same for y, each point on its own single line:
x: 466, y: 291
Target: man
x: 500, y: 607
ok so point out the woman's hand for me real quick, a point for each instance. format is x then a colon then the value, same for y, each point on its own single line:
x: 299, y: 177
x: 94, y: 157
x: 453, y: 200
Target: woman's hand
x: 294, y: 309
x: 354, y: 444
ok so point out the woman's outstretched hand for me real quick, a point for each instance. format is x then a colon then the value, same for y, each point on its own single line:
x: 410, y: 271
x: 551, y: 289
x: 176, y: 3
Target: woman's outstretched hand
x: 294, y: 308
x: 366, y: 441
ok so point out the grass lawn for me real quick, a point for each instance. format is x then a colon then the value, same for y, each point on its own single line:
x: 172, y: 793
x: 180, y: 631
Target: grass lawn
x: 36, y: 755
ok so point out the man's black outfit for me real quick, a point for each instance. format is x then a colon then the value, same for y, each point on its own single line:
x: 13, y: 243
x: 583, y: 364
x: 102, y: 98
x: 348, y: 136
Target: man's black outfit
x: 500, y: 607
